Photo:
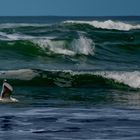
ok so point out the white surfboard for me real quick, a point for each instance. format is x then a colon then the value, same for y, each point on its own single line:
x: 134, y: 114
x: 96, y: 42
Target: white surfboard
x: 8, y: 100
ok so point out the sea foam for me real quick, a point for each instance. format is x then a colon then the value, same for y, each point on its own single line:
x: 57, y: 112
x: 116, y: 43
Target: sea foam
x: 21, y: 74
x: 131, y: 79
x: 108, y: 24
x: 82, y: 46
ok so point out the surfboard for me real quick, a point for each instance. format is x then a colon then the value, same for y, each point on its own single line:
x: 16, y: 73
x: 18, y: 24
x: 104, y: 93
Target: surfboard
x: 8, y: 100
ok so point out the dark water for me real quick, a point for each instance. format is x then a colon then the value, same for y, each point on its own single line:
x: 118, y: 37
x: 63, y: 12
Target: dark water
x: 75, y: 78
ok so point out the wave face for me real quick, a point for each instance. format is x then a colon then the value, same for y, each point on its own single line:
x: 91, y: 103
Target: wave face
x: 71, y: 52
x: 68, y: 78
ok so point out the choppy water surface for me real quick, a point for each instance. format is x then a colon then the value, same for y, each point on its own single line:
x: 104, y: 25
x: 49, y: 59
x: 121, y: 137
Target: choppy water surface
x: 75, y: 78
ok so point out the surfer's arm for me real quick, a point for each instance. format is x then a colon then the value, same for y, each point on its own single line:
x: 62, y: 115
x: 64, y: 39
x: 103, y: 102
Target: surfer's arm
x: 2, y: 90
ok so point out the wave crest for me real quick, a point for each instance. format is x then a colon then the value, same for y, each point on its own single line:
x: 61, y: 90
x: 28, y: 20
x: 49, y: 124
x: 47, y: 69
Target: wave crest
x: 82, y: 46
x: 108, y: 24
x: 132, y: 79
x: 69, y: 78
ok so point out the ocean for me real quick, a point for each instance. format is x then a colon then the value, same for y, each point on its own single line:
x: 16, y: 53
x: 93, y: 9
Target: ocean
x: 76, y: 78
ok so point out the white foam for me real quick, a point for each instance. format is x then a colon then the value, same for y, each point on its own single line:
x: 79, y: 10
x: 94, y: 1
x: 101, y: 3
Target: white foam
x: 22, y: 74
x: 17, y: 25
x: 17, y: 36
x: 13, y: 37
x: 131, y: 79
x: 82, y: 45
x: 108, y: 24
x: 57, y: 47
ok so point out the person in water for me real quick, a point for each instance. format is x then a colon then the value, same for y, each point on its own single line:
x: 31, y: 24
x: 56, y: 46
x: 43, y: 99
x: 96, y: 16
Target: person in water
x: 6, y: 90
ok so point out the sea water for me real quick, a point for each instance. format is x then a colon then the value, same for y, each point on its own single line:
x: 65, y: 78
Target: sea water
x: 76, y: 78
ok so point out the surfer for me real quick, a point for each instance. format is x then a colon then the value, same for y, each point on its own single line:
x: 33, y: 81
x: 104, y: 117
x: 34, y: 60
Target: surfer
x: 6, y: 92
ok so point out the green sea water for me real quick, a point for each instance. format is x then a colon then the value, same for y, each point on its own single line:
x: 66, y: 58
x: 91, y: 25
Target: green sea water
x: 75, y: 78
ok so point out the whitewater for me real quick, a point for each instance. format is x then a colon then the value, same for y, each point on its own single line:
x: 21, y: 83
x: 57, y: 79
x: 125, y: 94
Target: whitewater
x: 108, y: 24
x: 75, y: 78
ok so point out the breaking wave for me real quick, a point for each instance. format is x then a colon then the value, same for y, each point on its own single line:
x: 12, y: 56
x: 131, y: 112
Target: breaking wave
x: 82, y: 46
x: 108, y: 24
x: 18, y: 25
x: 69, y: 78
x: 16, y: 36
x: 132, y: 79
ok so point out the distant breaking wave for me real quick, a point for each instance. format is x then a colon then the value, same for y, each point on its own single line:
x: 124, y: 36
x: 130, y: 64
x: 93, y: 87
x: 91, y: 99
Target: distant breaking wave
x: 108, y: 24
x: 18, y: 25
x: 17, y: 36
